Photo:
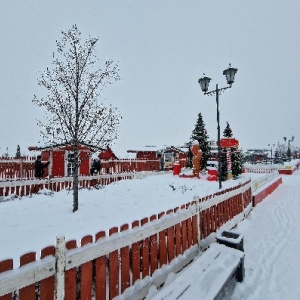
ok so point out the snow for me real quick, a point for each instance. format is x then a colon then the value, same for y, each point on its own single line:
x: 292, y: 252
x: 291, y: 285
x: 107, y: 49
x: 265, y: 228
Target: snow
x: 29, y: 224
x: 271, y: 243
x: 271, y: 238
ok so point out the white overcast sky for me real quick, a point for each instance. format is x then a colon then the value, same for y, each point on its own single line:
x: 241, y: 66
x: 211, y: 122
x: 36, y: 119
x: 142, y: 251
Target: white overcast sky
x: 163, y: 48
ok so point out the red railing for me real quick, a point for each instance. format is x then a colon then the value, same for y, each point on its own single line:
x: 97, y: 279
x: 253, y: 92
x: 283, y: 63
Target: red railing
x: 105, y: 266
x: 32, y: 186
x: 24, y: 168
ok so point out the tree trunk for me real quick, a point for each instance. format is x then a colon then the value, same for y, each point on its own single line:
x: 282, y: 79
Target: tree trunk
x: 75, y: 179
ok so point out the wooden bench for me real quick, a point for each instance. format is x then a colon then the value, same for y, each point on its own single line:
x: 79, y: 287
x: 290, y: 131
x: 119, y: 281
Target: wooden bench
x: 206, y: 276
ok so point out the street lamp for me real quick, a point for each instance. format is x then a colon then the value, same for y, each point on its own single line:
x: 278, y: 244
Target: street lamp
x: 289, y: 144
x: 204, y: 83
x: 270, y: 145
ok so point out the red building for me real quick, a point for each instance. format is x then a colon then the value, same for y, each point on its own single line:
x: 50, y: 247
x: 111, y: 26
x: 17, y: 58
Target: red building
x: 108, y: 154
x: 61, y: 159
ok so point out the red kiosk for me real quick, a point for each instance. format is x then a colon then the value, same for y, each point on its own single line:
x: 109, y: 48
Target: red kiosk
x: 61, y: 159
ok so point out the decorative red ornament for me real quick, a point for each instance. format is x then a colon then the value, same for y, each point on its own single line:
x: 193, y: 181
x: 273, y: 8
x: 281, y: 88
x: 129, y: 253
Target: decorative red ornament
x: 229, y: 143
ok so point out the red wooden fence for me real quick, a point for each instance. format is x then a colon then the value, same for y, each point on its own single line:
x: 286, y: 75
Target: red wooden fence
x: 31, y: 186
x: 127, y: 254
x: 24, y: 168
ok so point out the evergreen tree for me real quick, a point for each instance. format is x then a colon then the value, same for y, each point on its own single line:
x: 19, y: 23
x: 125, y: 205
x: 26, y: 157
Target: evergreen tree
x: 276, y: 157
x: 18, y: 153
x: 284, y: 156
x: 236, y: 163
x: 227, y: 131
x: 200, y: 135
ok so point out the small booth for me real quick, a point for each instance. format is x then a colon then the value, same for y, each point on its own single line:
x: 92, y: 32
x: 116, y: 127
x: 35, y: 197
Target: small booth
x: 166, y: 156
x: 173, y: 155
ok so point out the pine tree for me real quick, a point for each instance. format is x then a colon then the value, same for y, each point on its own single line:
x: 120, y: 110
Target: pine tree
x: 236, y: 163
x: 73, y: 110
x: 200, y: 135
x: 18, y: 153
x: 227, y: 131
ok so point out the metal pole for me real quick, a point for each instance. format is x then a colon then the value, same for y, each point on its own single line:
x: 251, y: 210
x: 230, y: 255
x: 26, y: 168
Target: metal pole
x: 219, y: 146
x: 271, y: 156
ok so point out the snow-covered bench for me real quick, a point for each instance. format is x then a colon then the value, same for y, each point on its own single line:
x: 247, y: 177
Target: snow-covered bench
x: 206, y: 276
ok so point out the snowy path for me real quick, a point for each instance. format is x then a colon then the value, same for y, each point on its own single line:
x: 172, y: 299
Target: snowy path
x: 272, y: 244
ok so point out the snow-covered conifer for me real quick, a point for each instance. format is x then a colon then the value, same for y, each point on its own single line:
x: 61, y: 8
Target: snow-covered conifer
x: 200, y: 135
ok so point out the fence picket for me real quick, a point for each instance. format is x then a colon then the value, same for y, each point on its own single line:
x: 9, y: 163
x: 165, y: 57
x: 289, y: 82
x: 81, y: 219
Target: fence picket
x: 125, y: 263
x: 6, y: 265
x: 170, y: 240
x: 189, y: 229
x: 183, y: 232
x: 135, y: 257
x: 162, y: 244
x: 47, y: 287
x: 113, y: 269
x: 100, y: 271
x: 145, y: 252
x: 177, y: 236
x: 71, y: 276
x: 86, y: 273
x: 153, y: 249
x: 27, y: 292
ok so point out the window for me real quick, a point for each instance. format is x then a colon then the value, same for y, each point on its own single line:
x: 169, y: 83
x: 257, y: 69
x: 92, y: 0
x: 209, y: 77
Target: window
x: 70, y: 164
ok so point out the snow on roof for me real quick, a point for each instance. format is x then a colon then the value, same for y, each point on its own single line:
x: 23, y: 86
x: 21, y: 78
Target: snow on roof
x: 145, y: 148
x: 157, y: 149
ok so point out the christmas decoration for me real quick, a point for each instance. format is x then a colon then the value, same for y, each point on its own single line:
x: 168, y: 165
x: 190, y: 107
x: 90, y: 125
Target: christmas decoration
x: 200, y: 135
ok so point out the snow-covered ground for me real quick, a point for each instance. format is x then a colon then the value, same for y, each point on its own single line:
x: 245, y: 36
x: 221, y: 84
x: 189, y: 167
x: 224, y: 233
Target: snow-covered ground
x: 271, y: 243
x: 271, y: 230
x: 30, y: 224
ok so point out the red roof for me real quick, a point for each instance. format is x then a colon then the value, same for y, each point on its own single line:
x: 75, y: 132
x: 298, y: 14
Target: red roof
x: 107, y: 154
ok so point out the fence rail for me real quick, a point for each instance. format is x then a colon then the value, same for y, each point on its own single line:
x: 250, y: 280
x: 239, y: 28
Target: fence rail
x: 108, y: 266
x: 21, y: 188
x: 293, y: 165
x: 21, y: 169
x: 261, y: 181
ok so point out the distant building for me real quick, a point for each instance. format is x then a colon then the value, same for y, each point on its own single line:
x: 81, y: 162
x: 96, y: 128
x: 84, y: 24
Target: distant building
x: 166, y: 154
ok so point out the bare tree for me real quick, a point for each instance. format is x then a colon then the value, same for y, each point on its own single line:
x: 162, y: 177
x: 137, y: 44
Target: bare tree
x: 73, y: 113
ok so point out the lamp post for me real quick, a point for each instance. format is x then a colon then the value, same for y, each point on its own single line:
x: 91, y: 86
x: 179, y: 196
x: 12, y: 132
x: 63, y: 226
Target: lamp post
x: 204, y: 83
x: 289, y: 146
x: 270, y: 145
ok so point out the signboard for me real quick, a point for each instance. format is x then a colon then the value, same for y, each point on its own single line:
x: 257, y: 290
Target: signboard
x: 229, y: 143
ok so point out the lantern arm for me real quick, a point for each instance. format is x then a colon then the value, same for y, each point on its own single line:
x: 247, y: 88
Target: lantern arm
x: 217, y: 90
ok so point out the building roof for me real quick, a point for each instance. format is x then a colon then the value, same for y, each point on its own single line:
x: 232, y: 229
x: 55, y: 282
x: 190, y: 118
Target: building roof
x: 64, y: 145
x: 107, y: 154
x: 159, y: 149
